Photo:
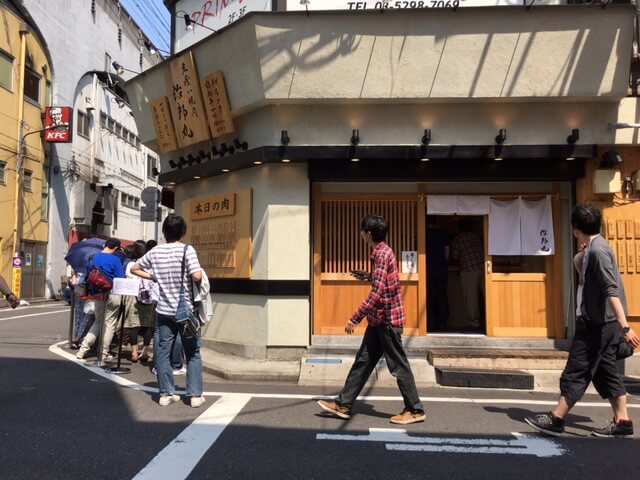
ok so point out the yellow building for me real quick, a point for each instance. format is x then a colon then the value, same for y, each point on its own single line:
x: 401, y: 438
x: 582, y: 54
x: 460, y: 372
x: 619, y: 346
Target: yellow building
x: 25, y: 90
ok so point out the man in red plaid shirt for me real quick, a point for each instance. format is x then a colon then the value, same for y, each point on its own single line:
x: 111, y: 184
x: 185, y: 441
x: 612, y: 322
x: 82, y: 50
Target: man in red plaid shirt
x: 384, y: 311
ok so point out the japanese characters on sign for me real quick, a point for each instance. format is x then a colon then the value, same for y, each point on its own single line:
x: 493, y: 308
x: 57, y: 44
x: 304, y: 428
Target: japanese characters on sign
x: 210, y: 207
x: 220, y: 229
x: 57, y: 124
x: 217, y: 105
x: 162, y: 122
x: 187, y: 110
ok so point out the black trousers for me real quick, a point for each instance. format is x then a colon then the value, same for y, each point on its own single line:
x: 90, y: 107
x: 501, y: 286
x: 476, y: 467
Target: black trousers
x: 377, y: 341
x: 592, y: 358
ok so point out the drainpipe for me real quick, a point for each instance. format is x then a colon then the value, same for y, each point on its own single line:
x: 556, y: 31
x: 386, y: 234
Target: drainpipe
x: 17, y: 226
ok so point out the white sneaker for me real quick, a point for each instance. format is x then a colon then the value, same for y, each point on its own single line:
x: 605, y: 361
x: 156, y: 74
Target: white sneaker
x: 180, y: 371
x: 154, y: 371
x: 168, y: 400
x: 81, y: 354
x: 197, y: 401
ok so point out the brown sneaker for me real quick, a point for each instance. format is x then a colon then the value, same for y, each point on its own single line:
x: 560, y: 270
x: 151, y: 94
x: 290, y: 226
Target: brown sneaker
x: 335, y: 409
x: 407, y: 417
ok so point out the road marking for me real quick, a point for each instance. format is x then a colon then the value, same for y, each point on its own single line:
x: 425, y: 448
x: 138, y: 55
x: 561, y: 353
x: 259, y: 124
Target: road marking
x: 179, y: 458
x: 398, y: 440
x: 33, y: 315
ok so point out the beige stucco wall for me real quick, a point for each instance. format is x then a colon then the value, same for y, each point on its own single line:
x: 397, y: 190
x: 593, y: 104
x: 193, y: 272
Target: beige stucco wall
x: 281, y: 251
x: 428, y: 56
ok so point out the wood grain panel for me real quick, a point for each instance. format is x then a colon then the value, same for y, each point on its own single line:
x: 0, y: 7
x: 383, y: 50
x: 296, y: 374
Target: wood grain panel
x: 339, y: 248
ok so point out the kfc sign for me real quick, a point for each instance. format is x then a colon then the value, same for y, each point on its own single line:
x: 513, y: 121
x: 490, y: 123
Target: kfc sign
x: 57, y: 124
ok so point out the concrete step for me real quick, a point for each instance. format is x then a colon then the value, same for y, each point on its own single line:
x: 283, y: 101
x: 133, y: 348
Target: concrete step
x: 482, y: 378
x: 497, y: 359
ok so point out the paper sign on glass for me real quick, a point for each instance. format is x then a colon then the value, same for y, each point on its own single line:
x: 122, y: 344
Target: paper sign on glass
x: 125, y: 286
x: 409, y: 262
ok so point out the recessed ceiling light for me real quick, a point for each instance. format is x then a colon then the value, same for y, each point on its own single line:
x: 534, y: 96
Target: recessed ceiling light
x: 425, y: 159
x: 257, y: 162
x: 225, y: 170
x: 355, y: 159
x: 197, y: 177
x: 285, y: 160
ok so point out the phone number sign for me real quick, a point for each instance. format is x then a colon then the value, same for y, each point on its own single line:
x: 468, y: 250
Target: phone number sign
x: 401, y: 4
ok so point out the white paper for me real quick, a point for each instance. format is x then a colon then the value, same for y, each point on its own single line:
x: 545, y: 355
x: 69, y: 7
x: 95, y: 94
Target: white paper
x: 409, y: 261
x: 125, y: 286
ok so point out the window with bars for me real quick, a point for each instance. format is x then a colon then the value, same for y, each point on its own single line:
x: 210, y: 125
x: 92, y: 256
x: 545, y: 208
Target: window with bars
x: 343, y: 249
x: 3, y: 173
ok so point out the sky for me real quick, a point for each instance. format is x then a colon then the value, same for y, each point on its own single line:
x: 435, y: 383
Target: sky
x: 154, y: 20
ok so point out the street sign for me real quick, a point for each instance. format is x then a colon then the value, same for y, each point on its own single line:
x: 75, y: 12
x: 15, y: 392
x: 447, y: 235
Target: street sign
x: 150, y: 195
x: 147, y: 214
x: 398, y: 440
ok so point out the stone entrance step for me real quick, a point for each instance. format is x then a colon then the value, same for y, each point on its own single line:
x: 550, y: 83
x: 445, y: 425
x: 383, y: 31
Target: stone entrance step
x: 493, y: 358
x: 484, y: 378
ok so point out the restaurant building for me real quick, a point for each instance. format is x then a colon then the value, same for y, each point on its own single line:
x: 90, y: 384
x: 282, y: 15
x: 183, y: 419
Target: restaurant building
x: 280, y: 132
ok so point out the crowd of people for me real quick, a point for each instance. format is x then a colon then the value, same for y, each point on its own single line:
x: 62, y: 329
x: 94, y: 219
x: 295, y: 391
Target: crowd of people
x: 161, y: 271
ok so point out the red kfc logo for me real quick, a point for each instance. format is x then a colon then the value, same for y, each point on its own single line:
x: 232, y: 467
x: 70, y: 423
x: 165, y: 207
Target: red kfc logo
x: 57, y: 124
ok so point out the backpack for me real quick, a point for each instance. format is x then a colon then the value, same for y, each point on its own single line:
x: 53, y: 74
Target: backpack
x: 97, y: 280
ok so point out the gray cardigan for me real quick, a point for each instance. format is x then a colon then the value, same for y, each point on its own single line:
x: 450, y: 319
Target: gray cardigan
x: 602, y: 280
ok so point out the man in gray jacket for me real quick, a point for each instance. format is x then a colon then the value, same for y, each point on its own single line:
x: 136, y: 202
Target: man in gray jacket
x: 601, y: 321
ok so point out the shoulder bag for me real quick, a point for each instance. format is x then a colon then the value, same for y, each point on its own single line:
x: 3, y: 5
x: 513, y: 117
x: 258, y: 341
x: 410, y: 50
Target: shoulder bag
x: 184, y: 314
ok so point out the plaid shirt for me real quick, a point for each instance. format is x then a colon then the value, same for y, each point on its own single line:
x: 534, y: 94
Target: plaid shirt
x: 467, y: 247
x: 384, y: 304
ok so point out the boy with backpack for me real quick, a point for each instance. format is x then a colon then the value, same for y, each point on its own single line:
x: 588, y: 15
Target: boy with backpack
x: 101, y: 270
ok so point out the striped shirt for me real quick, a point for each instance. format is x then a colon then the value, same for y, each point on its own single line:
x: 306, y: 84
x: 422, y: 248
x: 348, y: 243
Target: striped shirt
x: 384, y: 304
x: 166, y: 262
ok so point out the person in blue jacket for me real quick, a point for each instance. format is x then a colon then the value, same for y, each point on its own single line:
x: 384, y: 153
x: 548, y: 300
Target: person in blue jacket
x: 107, y: 304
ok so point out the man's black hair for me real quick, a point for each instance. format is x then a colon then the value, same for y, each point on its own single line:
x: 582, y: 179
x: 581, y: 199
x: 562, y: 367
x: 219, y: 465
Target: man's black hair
x: 112, y: 243
x: 138, y: 250
x: 377, y: 225
x: 150, y: 244
x: 587, y: 219
x: 174, y: 228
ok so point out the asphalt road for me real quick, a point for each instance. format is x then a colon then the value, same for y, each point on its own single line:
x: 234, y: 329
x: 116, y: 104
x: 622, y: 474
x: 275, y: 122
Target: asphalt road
x: 60, y: 419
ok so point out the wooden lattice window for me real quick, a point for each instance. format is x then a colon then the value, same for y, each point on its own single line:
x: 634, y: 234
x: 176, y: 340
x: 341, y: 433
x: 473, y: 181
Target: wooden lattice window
x: 342, y: 247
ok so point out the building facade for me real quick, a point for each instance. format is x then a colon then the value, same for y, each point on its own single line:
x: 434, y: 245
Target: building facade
x: 97, y: 179
x: 25, y: 89
x: 497, y: 116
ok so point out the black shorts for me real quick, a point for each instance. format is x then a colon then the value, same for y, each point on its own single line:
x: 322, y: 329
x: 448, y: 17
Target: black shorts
x: 592, y: 358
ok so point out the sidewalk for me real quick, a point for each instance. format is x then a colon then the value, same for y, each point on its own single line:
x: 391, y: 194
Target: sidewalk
x: 332, y: 371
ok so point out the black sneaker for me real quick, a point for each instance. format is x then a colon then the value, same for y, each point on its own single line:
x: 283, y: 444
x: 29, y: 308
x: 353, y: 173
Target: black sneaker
x: 622, y: 429
x: 547, y: 423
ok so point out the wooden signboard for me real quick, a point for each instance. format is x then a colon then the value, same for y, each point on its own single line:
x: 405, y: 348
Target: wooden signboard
x: 220, y: 229
x: 217, y: 105
x: 162, y: 122
x: 187, y: 110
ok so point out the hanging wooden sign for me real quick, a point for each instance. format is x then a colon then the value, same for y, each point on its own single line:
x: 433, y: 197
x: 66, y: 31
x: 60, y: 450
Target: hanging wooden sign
x: 187, y: 110
x: 162, y: 122
x: 217, y: 105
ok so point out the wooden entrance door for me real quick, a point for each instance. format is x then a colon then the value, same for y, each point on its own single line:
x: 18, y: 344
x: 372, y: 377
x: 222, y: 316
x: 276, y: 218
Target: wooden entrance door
x: 338, y: 249
x: 524, y: 293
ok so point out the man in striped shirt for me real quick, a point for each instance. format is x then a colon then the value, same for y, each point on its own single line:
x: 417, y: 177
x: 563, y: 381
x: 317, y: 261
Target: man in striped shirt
x: 384, y: 311
x: 166, y: 263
